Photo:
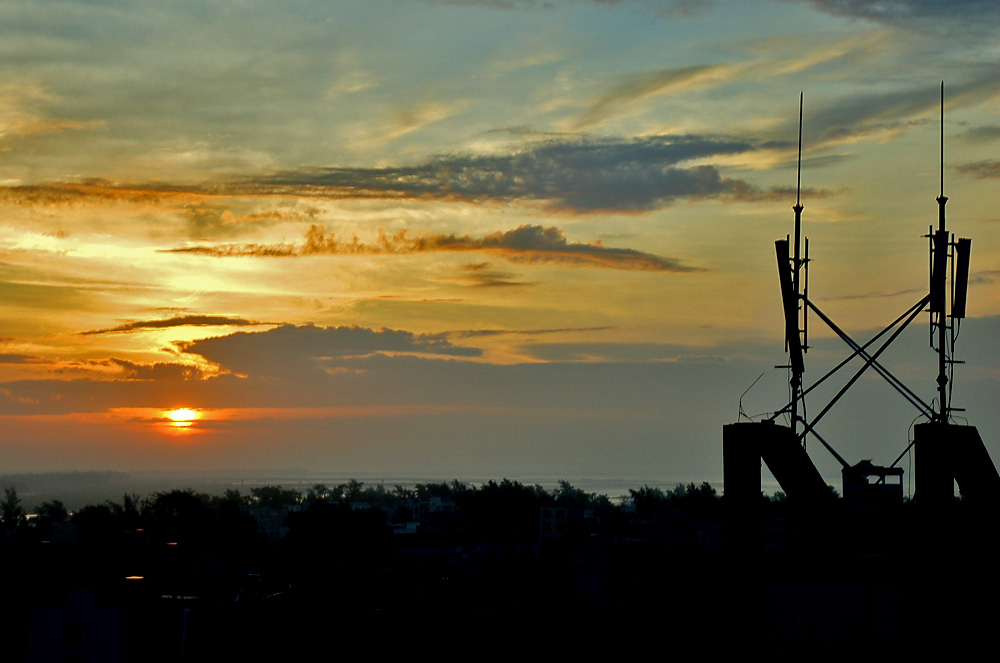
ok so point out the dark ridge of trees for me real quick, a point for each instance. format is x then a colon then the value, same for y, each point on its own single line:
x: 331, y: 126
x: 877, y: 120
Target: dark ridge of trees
x: 499, y: 501
x: 493, y: 499
x: 443, y: 490
x: 343, y: 517
x: 355, y: 491
x: 352, y: 522
x: 697, y: 501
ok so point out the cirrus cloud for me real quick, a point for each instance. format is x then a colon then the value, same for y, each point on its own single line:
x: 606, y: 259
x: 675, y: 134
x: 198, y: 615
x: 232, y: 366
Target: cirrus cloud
x: 177, y: 321
x: 527, y: 244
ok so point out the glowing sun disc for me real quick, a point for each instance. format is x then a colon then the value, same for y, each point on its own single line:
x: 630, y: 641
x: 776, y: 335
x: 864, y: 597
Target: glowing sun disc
x: 182, y: 416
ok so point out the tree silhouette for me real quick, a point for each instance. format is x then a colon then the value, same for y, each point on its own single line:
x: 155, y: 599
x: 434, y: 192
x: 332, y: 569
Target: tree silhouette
x: 48, y: 513
x: 275, y: 497
x: 505, y: 511
x: 12, y: 512
x: 128, y: 511
x: 569, y: 496
x: 53, y: 512
x: 232, y: 498
x: 320, y: 493
x: 647, y: 500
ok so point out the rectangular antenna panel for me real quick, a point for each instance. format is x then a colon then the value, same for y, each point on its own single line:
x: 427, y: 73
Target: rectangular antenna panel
x: 962, y: 251
x: 790, y: 301
x: 939, y: 270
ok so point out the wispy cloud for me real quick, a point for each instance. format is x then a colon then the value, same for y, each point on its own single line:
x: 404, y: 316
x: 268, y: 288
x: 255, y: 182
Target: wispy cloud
x: 807, y: 53
x: 989, y: 169
x: 526, y: 244
x: 13, y: 358
x: 615, y: 352
x: 178, y: 321
x: 484, y: 275
x: 985, y: 276
x: 69, y: 193
x: 208, y: 219
x: 45, y: 127
x: 577, y: 175
x: 566, y: 174
x: 880, y: 114
x: 525, y: 332
x: 669, y: 8
x: 407, y: 120
x: 643, y: 85
x: 926, y: 13
x: 978, y: 135
x: 117, y: 369
x: 874, y: 294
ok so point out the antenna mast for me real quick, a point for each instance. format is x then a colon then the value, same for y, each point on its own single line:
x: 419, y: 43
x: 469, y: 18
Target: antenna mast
x: 797, y: 263
x: 939, y: 267
x: 943, y: 249
x: 789, y: 272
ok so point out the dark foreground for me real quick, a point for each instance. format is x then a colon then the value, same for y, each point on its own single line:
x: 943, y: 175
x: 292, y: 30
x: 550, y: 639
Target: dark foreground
x: 503, y: 569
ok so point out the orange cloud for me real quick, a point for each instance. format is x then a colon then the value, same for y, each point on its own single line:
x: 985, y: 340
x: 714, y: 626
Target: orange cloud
x: 526, y: 244
x: 56, y: 194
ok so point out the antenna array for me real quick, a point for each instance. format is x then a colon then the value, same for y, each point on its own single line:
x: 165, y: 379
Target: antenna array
x: 944, y: 250
x: 946, y: 255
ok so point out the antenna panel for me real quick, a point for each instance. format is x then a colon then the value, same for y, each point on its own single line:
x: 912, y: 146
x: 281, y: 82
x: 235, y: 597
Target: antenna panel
x: 790, y: 301
x: 939, y: 271
x: 962, y: 251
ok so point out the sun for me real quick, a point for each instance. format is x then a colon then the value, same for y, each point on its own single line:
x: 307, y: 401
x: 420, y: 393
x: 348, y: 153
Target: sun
x: 182, y: 417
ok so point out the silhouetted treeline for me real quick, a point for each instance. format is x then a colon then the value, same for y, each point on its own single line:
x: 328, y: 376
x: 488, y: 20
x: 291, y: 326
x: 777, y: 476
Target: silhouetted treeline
x: 182, y: 542
x: 505, y: 510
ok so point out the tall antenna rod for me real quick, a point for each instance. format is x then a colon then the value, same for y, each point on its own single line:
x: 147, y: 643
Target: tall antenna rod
x: 789, y: 267
x: 797, y: 258
x: 798, y: 177
x: 942, y: 139
x: 801, y: 260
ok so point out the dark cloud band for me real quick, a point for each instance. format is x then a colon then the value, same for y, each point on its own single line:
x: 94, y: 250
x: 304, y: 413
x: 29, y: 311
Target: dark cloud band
x: 179, y: 321
x: 981, y: 169
x: 576, y: 176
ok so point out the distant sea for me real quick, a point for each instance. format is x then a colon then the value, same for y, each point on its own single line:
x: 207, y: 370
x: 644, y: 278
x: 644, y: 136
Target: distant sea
x: 78, y: 489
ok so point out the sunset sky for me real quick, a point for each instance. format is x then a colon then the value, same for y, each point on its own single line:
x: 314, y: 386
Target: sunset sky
x: 501, y: 237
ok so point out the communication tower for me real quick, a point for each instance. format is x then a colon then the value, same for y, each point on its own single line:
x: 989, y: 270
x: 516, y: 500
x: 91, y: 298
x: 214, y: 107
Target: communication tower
x: 945, y: 452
